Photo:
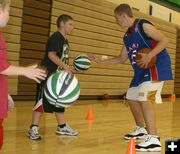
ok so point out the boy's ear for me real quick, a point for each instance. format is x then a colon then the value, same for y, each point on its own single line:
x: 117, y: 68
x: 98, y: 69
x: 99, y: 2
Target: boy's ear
x: 61, y: 24
x: 124, y: 15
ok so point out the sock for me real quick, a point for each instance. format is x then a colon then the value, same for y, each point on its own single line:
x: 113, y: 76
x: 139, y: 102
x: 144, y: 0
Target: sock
x: 62, y: 126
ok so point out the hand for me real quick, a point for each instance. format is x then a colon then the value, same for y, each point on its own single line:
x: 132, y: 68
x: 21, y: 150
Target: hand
x: 35, y: 73
x: 98, y: 60
x: 10, y: 103
x: 144, y: 61
x: 90, y: 56
x: 94, y: 58
x: 68, y: 69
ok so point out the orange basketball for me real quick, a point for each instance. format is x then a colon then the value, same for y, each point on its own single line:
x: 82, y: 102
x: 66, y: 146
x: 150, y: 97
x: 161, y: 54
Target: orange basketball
x: 146, y: 51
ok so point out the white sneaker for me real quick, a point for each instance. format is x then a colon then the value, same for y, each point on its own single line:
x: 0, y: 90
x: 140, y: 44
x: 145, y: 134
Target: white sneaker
x: 151, y: 143
x: 66, y: 130
x: 138, y: 133
x: 33, y: 133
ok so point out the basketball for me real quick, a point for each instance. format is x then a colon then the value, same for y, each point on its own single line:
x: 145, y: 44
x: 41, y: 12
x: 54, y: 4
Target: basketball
x: 81, y: 63
x: 146, y: 51
x: 62, y: 89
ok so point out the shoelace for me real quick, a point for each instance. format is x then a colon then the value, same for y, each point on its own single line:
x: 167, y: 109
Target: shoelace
x: 136, y: 129
x: 147, y: 138
x: 68, y: 127
x: 35, y: 131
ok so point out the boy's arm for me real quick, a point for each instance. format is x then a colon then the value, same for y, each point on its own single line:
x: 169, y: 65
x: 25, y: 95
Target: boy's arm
x: 31, y: 72
x: 55, y: 59
x: 121, y: 58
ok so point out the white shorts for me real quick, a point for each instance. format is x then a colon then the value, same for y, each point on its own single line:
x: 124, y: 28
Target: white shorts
x: 147, y: 91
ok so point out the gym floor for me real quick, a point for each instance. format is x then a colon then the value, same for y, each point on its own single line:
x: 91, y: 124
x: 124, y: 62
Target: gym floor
x: 104, y: 135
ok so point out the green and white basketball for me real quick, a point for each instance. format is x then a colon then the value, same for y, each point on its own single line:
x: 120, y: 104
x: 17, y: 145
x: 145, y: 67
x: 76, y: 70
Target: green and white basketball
x: 81, y: 63
x: 62, y: 89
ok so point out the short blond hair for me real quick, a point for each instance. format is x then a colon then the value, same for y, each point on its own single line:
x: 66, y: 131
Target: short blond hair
x: 124, y: 8
x: 4, y: 3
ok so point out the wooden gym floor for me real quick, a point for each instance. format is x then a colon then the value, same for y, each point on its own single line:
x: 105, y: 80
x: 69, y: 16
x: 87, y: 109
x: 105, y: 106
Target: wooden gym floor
x: 112, y: 119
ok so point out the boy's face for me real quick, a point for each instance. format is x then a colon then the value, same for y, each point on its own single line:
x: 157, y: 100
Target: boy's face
x: 67, y: 26
x: 121, y: 20
x: 4, y: 16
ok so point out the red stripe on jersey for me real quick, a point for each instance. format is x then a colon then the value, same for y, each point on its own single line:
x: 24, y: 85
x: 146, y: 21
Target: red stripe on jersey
x: 131, y: 29
x: 153, y: 43
x: 153, y: 70
x: 154, y: 74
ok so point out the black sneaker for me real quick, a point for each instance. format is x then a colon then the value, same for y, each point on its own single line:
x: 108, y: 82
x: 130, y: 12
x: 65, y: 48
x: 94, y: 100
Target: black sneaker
x: 151, y: 143
x: 138, y: 133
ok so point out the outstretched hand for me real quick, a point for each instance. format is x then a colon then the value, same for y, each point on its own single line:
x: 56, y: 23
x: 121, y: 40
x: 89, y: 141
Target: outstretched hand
x: 90, y: 56
x: 35, y: 73
x: 94, y: 58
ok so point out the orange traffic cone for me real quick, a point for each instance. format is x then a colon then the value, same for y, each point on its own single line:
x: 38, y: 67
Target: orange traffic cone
x: 89, y: 114
x: 131, y: 147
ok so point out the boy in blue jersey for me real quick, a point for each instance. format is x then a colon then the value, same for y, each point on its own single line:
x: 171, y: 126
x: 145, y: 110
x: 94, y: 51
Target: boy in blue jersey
x: 146, y: 85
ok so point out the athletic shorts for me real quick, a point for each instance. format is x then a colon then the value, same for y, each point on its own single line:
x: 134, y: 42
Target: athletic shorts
x: 42, y: 104
x: 146, y: 91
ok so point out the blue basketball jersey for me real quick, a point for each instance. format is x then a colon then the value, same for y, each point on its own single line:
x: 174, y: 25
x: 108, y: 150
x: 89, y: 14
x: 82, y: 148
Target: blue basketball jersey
x: 134, y: 40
